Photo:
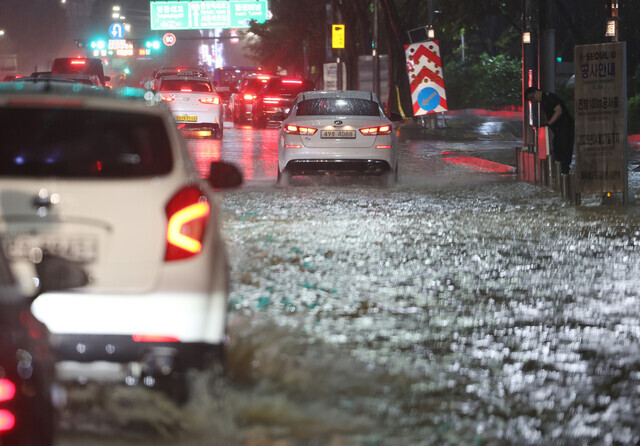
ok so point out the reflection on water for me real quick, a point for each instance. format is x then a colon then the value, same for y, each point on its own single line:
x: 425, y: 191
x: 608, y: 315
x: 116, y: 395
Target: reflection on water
x: 254, y: 152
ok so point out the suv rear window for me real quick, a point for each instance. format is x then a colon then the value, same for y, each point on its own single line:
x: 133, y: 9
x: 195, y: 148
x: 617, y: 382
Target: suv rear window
x: 338, y: 106
x: 185, y: 85
x: 70, y: 142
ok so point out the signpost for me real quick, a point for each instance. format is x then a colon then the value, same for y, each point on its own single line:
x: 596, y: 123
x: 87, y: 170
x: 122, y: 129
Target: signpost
x: 600, y: 107
x: 169, y: 39
x: 178, y: 15
x: 116, y: 31
x: 425, y: 77
x: 337, y: 36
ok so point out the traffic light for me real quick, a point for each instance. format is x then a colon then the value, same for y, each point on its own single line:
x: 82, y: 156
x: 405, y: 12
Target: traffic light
x: 153, y: 44
x: 98, y: 45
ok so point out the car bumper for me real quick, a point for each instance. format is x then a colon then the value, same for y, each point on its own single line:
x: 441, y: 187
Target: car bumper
x: 303, y: 161
x: 186, y: 317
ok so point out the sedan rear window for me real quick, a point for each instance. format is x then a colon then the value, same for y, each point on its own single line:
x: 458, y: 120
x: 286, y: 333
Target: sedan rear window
x: 70, y: 142
x: 187, y: 86
x: 338, y: 106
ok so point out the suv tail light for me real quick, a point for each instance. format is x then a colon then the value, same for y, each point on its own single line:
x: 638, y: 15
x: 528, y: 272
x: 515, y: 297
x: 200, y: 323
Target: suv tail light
x: 188, y: 214
x: 381, y: 130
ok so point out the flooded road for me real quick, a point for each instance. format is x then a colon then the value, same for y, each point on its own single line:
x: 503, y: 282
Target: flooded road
x: 454, y: 308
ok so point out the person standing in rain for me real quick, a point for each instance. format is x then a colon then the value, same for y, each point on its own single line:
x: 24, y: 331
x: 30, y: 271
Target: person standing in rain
x: 560, y: 122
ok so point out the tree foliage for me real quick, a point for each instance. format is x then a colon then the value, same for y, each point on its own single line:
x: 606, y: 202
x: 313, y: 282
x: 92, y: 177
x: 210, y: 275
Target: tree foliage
x: 491, y: 31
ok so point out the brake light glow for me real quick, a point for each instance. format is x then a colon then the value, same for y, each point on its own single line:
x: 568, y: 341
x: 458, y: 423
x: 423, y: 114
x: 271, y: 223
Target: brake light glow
x: 292, y: 81
x: 271, y: 100
x: 7, y: 420
x: 168, y: 98
x: 186, y: 90
x: 381, y: 130
x: 248, y: 97
x: 187, y: 218
x: 292, y: 129
x: 7, y: 390
x: 154, y: 338
x: 385, y: 146
x: 78, y: 62
x: 212, y: 101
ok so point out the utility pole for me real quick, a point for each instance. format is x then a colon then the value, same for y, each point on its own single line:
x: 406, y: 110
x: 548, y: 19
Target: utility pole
x: 529, y: 73
x: 374, y: 51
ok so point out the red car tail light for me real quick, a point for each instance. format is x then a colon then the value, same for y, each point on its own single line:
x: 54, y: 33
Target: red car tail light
x: 154, y: 338
x: 7, y: 420
x: 296, y: 130
x: 211, y: 101
x: 186, y: 90
x: 380, y: 130
x: 248, y: 97
x: 292, y: 81
x: 168, y: 98
x: 271, y: 100
x: 78, y: 62
x: 188, y: 214
x: 7, y: 389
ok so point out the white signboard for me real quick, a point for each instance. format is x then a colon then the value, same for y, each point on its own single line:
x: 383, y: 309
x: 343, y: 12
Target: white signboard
x: 600, y: 107
x: 330, y: 75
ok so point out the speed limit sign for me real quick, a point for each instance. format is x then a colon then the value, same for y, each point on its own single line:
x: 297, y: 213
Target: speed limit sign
x: 169, y: 39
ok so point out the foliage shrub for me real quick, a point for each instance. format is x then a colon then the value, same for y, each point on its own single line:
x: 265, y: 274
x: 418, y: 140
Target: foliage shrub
x: 633, y: 115
x: 489, y: 81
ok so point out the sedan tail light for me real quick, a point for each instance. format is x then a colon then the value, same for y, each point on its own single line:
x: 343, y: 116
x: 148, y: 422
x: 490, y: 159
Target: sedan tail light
x: 168, y: 98
x: 296, y: 130
x: 249, y: 97
x: 380, y: 130
x: 212, y: 101
x: 188, y: 214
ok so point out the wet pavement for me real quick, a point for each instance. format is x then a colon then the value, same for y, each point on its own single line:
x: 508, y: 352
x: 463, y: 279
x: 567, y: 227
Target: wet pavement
x: 456, y: 307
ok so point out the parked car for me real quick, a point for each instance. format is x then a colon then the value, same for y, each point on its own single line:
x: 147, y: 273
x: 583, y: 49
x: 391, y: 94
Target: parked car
x: 241, y: 101
x: 27, y: 413
x: 194, y: 103
x: 276, y: 96
x: 337, y: 131
x: 103, y: 178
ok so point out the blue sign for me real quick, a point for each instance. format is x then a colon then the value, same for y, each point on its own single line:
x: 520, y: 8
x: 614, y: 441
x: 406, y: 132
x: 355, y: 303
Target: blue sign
x: 428, y: 99
x: 116, y: 31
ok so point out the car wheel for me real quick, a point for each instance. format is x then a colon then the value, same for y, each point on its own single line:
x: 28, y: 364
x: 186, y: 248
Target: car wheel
x: 192, y: 386
x: 284, y: 178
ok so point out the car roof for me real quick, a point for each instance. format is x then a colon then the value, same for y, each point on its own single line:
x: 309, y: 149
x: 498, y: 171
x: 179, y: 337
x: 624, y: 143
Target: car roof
x: 125, y: 97
x: 185, y: 78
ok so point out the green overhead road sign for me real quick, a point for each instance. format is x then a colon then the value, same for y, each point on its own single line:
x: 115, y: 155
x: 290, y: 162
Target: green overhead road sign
x: 176, y: 15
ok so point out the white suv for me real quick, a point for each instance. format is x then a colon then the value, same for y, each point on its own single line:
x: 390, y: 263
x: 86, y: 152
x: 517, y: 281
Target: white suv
x: 104, y: 179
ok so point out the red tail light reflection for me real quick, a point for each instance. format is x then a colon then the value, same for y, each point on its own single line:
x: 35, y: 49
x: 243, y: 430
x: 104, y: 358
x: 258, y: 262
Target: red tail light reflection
x: 187, y: 218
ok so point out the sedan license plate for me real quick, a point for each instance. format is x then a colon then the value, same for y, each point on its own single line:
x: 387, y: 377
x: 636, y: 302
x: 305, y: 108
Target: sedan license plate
x: 333, y: 134
x: 77, y: 249
x: 187, y: 118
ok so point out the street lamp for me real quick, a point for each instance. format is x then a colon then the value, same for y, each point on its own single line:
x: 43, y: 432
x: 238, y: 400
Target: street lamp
x: 1, y: 32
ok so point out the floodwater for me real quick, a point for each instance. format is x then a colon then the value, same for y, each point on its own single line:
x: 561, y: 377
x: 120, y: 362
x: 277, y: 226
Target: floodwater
x: 454, y: 308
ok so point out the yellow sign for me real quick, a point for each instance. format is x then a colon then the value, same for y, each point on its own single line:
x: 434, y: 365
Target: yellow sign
x: 337, y: 36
